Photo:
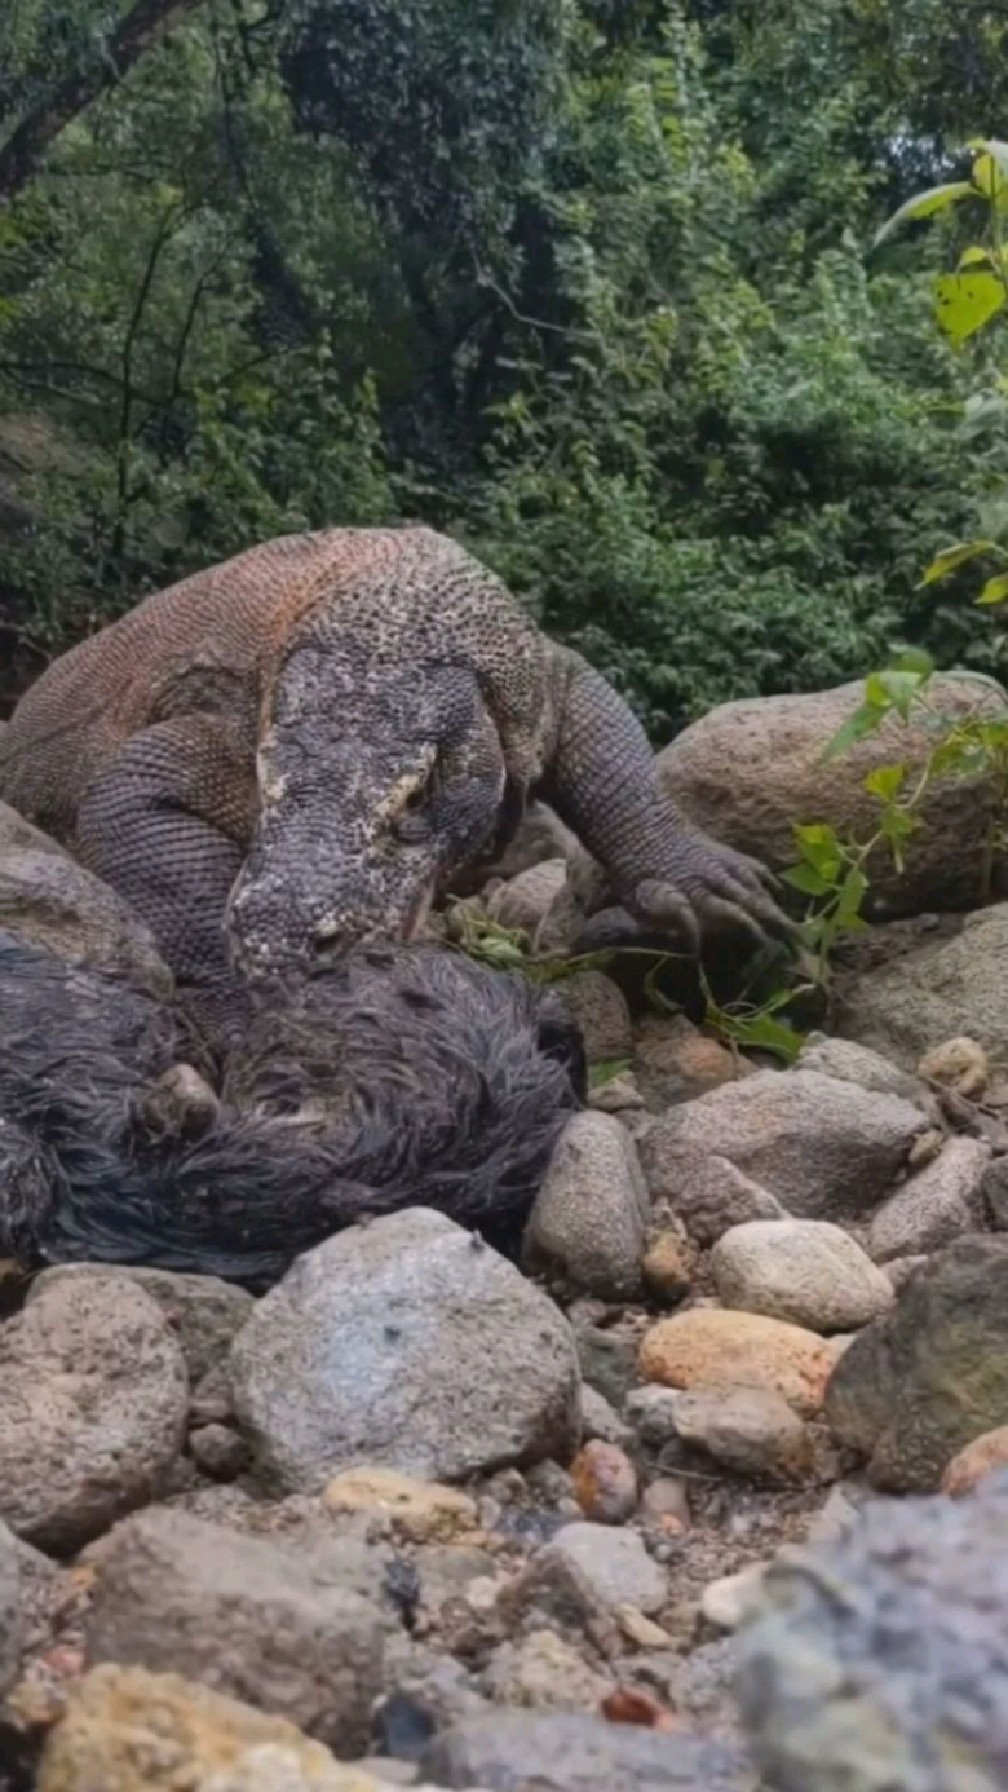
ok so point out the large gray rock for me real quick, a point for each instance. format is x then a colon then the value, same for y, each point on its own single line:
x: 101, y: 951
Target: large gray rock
x: 204, y: 1312
x: 266, y: 1621
x: 588, y: 1220
x: 48, y: 900
x: 807, y: 1271
x: 941, y: 989
x: 920, y: 1383
x: 750, y: 770
x: 92, y: 1408
x: 518, y: 1751
x: 824, y: 1149
x: 880, y: 1660
x: 407, y: 1343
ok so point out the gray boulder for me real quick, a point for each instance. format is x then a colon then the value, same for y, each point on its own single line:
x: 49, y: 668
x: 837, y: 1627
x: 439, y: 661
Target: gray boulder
x: 939, y: 990
x: 824, y: 1149
x: 749, y: 770
x: 266, y: 1621
x: 407, y: 1343
x: 48, y: 900
x: 880, y: 1660
x: 93, y: 1408
x: 10, y: 1608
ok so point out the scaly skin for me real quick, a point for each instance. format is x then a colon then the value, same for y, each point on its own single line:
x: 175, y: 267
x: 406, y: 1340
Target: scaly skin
x: 306, y: 743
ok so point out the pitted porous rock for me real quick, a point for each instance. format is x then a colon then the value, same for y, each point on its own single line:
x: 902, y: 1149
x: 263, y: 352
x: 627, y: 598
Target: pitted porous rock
x: 92, y: 1411
x: 305, y: 744
x: 880, y: 1660
x: 824, y: 1149
x: 203, y: 1312
x: 406, y: 1343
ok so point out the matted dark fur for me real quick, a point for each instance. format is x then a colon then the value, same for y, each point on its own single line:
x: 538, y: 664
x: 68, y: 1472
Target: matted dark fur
x: 400, y: 1076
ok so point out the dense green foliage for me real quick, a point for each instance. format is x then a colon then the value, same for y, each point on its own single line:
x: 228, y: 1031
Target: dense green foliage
x: 586, y: 282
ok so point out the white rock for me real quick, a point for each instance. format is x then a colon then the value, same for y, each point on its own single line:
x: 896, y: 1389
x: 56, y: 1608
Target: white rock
x: 806, y: 1271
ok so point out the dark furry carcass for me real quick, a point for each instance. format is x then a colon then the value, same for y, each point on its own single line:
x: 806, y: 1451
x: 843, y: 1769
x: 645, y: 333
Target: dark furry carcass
x: 397, y: 1076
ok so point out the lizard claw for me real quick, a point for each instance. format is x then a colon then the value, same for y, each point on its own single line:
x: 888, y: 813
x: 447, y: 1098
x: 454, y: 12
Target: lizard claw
x: 724, y: 892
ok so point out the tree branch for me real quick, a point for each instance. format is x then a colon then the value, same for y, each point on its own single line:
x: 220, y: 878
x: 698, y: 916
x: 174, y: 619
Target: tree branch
x: 22, y: 154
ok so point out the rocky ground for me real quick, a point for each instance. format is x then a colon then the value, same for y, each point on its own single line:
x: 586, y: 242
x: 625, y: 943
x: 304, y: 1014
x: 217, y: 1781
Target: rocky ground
x: 708, y: 1493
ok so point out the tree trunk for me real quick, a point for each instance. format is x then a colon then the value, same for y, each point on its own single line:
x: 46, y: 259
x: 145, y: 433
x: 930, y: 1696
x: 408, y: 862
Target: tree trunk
x: 24, y: 150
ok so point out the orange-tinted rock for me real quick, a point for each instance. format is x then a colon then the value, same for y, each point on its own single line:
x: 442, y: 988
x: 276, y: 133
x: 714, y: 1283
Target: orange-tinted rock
x: 727, y: 1349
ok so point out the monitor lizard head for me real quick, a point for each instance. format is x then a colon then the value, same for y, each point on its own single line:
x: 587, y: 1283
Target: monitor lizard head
x: 376, y: 782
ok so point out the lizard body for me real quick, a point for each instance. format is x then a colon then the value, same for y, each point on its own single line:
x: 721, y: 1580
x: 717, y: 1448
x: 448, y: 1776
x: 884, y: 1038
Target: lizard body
x: 306, y: 742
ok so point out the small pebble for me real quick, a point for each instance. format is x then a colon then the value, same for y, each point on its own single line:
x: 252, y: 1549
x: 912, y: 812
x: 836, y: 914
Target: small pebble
x: 666, y: 1269
x: 605, y: 1482
x: 218, y: 1451
x: 728, y: 1601
x: 960, y: 1064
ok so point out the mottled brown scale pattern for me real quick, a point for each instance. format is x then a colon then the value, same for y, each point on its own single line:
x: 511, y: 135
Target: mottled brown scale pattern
x: 302, y: 746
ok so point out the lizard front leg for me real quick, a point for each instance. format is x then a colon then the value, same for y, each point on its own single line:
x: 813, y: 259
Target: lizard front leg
x: 167, y: 824
x: 668, y: 874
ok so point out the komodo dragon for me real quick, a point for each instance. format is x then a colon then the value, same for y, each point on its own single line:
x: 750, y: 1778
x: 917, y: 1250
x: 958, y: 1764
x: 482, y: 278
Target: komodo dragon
x: 307, y: 741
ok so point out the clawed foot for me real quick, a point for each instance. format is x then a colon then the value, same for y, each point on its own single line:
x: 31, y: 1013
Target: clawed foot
x: 720, y: 892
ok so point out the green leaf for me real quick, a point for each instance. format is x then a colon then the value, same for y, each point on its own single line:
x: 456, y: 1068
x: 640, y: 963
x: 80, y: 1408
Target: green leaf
x: 763, y: 1033
x: 852, y: 894
x: 864, y: 721
x: 807, y: 879
x: 886, y: 781
x: 965, y: 302
x: 975, y: 257
x: 951, y: 558
x: 990, y: 170
x: 819, y: 846
x: 605, y: 1070
x: 925, y: 205
x: 915, y: 659
x: 996, y: 590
